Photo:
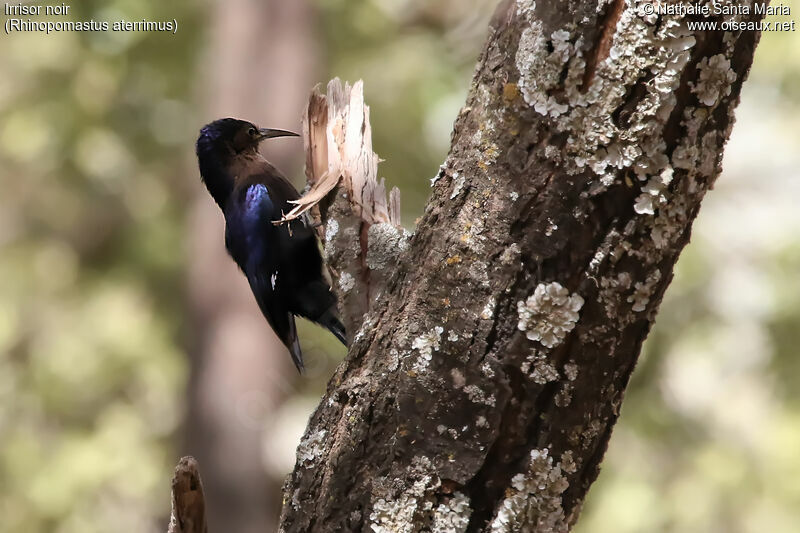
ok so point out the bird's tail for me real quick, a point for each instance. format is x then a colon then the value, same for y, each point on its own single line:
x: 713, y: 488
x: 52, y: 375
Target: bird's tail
x: 331, y: 321
x: 294, y: 345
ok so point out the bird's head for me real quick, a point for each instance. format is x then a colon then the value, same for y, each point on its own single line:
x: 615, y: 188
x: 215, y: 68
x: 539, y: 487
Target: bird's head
x: 221, y: 145
x: 231, y: 136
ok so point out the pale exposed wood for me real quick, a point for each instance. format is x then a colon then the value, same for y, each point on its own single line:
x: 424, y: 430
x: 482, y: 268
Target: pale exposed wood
x: 338, y: 139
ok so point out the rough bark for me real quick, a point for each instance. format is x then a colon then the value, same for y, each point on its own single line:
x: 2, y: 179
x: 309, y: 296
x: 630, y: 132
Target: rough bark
x: 481, y: 390
x: 260, y: 53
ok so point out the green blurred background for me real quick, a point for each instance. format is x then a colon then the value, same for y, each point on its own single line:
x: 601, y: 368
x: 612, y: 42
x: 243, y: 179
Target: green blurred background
x: 127, y: 338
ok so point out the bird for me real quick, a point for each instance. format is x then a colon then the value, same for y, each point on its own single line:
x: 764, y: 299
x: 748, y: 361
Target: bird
x: 282, y: 262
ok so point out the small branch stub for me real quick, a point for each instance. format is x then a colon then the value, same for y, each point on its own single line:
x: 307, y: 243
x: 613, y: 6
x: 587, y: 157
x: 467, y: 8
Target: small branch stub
x: 188, y: 501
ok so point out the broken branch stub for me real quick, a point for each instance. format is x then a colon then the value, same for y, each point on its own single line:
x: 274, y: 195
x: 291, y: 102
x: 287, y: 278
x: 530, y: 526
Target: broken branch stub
x: 338, y: 143
x: 188, y: 501
x: 344, y: 192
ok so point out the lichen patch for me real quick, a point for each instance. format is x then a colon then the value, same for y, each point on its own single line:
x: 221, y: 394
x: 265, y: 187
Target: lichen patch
x: 716, y: 78
x: 488, y: 309
x: 392, y: 513
x: 539, y: 369
x: 458, y: 185
x: 331, y: 230
x: 541, y: 69
x: 478, y: 395
x: 311, y: 448
x: 426, y: 344
x: 549, y: 314
x: 452, y: 516
x: 552, y: 69
x: 654, y: 193
x: 535, y: 500
x: 643, y: 291
x: 385, y: 244
x: 346, y: 282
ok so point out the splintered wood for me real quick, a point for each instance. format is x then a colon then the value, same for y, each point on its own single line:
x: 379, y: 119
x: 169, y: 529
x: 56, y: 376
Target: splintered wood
x: 338, y: 141
x: 188, y: 500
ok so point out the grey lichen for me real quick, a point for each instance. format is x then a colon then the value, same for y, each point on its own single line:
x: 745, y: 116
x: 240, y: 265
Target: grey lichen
x: 525, y: 7
x: 549, y: 314
x: 697, y: 156
x: 452, y: 516
x: 394, y: 514
x: 426, y: 344
x: 551, y: 228
x: 534, y: 499
x: 540, y: 68
x: 716, y: 78
x: 478, y: 395
x: 654, y: 193
x: 488, y: 309
x: 539, y: 369
x: 458, y: 378
x: 331, y: 229
x: 568, y: 462
x: 564, y: 395
x: 591, y: 432
x: 346, y: 282
x: 311, y: 448
x: 610, y: 290
x: 571, y: 371
x: 488, y: 155
x: 416, y: 508
x: 511, y: 254
x: 552, y: 69
x: 442, y: 429
x: 438, y: 176
x: 366, y: 327
x: 603, y: 252
x: 458, y: 186
x: 385, y: 244
x: 472, y: 236
x: 394, y: 360
x: 642, y: 291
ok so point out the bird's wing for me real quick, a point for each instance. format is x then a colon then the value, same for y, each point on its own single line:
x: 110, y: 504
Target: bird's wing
x: 251, y: 230
x: 273, y: 308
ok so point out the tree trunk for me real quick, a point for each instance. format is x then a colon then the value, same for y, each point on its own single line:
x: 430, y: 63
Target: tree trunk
x: 483, y: 384
x: 262, y: 52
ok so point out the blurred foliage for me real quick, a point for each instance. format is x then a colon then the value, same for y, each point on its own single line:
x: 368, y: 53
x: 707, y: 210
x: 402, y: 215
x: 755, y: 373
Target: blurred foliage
x: 95, y: 134
x: 94, y: 130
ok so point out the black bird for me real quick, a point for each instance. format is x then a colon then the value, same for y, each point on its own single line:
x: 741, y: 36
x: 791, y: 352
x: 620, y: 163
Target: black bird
x: 282, y: 263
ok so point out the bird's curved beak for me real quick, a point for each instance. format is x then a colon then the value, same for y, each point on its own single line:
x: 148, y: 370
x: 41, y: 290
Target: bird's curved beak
x: 267, y: 133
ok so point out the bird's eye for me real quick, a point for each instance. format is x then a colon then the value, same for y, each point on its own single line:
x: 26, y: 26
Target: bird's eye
x: 252, y: 132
